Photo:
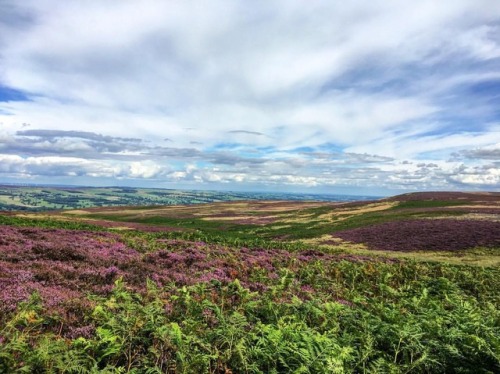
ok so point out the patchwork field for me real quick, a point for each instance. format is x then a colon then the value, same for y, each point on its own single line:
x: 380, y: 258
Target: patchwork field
x: 43, y: 198
x: 409, y: 284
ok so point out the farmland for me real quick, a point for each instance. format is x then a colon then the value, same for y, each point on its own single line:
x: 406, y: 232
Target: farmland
x: 403, y: 284
x: 43, y: 198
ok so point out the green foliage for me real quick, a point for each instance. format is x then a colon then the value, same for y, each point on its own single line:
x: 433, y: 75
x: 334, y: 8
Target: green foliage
x: 399, y: 318
x: 47, y: 223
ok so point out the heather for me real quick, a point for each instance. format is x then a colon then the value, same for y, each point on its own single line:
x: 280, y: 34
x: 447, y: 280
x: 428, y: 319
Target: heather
x: 431, y: 235
x: 63, y: 264
x: 81, y: 301
x: 83, y: 296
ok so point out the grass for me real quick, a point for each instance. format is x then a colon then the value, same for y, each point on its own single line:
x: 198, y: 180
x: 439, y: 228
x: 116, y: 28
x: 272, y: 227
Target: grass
x: 284, y: 228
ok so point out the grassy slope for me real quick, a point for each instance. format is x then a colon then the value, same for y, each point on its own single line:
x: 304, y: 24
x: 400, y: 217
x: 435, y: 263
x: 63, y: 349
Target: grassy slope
x: 316, y: 223
x: 216, y: 306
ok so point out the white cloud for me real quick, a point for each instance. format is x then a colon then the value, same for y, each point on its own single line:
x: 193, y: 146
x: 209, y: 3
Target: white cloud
x: 16, y: 166
x: 488, y: 176
x: 386, y: 78
x: 145, y: 170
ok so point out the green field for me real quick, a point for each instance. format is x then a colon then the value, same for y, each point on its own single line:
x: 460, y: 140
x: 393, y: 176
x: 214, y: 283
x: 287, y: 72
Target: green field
x: 43, y: 198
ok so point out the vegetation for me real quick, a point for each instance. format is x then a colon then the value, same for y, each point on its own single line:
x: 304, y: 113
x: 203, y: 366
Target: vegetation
x: 426, y: 234
x: 16, y: 198
x: 211, y: 292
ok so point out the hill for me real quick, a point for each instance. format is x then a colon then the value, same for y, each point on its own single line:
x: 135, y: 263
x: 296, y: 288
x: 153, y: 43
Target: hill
x: 452, y: 226
x: 405, y: 284
x: 43, y: 198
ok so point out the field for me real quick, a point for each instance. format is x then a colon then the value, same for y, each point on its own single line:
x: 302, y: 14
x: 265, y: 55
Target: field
x: 34, y: 198
x: 409, y: 284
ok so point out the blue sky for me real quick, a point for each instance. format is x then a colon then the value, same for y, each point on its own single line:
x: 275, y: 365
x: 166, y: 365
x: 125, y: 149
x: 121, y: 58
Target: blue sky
x: 353, y: 97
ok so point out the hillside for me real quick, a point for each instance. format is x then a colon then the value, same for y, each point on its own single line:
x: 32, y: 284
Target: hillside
x: 434, y: 224
x: 405, y: 284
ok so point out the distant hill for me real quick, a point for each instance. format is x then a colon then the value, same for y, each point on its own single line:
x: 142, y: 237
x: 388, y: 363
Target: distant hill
x: 42, y: 198
x: 446, y: 196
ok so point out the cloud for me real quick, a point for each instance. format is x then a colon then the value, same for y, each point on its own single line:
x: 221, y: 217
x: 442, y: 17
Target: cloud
x: 488, y: 175
x: 245, y: 132
x: 492, y: 153
x: 68, y: 143
x: 366, y: 158
x: 385, y: 94
x: 52, y: 166
x: 52, y: 134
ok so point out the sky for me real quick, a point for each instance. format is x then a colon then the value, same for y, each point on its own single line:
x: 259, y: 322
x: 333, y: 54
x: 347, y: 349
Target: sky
x: 355, y: 97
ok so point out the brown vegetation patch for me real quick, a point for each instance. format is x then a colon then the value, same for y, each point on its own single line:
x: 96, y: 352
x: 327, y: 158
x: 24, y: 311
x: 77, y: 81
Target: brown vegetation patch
x: 244, y: 220
x: 447, y: 196
x: 131, y: 226
x: 476, y: 209
x: 237, y: 212
x: 215, y: 210
x: 473, y: 216
x: 361, y: 209
x: 423, y: 234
